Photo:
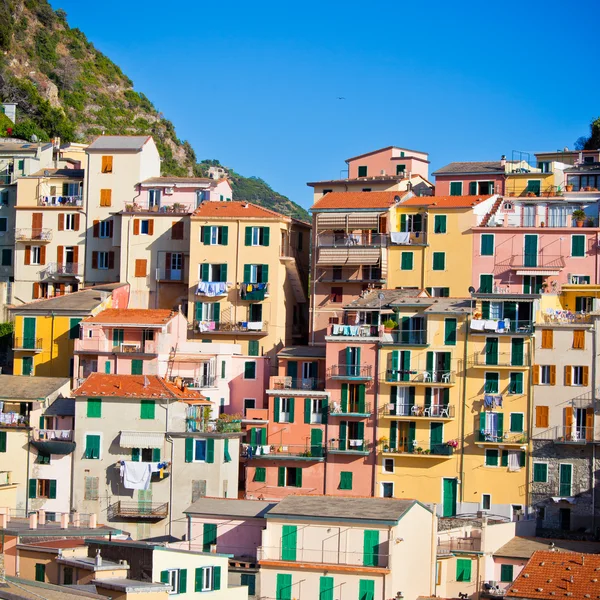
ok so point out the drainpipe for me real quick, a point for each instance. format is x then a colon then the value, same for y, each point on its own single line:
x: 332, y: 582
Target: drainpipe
x: 169, y: 439
x: 464, y: 411
x: 530, y: 411
x: 28, y: 455
x: 375, y: 421
x: 432, y: 575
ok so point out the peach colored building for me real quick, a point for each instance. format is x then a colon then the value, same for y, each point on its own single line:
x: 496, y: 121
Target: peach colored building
x: 389, y: 161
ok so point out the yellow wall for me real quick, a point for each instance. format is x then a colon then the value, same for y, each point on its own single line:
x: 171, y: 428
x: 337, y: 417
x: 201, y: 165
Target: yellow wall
x: 516, y: 184
x: 29, y: 558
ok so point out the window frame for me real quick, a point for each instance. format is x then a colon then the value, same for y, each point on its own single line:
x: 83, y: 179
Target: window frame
x: 382, y: 485
x: 482, y: 504
x: 197, y: 443
x: 578, y: 235
x: 433, y: 261
x: 255, y: 370
x: 490, y: 452
x: 174, y: 581
x: 450, y: 183
x: 104, y: 229
x: 383, y: 466
x: 36, y: 255
x: 486, y: 236
x: 103, y: 260
x: 543, y: 463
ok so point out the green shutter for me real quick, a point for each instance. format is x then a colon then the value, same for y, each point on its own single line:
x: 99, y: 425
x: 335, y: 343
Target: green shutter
x: 135, y: 455
x: 283, y: 587
x: 298, y: 477
x: 342, y: 435
x: 326, y: 586
x: 276, y: 409
x: 289, y: 535
x: 515, y: 385
x: 260, y: 474
x: 346, y: 480
x: 504, y: 458
x: 439, y: 224
x: 216, y: 312
x: 147, y: 409
x: 281, y: 477
x: 204, y: 272
x: 472, y: 188
x: 522, y: 458
x: 406, y: 261
x: 565, y: 479
x: 540, y: 472
x: 249, y: 370
x: 92, y: 446
x: 224, y: 235
x: 412, y: 435
x: 205, y: 235
x: 266, y: 231
x: 198, y: 579
x: 393, y: 435
x: 439, y: 261
x: 223, y: 277
x: 370, y: 548
x: 307, y: 405
x: 189, y: 450
x: 578, y: 245
x: 137, y: 367
x: 485, y: 310
x: 456, y: 188
x: 291, y: 409
x: 52, y: 491
x: 198, y: 311
x: 94, y: 408
x: 164, y: 576
x: 486, y: 284
x: 500, y: 431
x: 362, y: 405
x: 366, y: 589
x: 74, y: 328
x: 226, y: 455
x: 155, y: 454
x: 491, y: 458
x: 487, y: 244
x: 344, y: 397
x: 209, y: 536
x: 253, y: 348
x: 248, y: 240
x: 2, y: 441
x: 182, y: 581
x: 506, y: 573
x: 247, y: 273
x: 210, y: 450
x: 463, y: 569
x: 216, y: 578
x: 517, y: 354
x: 32, y: 488
x: 40, y: 573
x: 450, y: 332
x: 265, y: 274
x: 405, y: 365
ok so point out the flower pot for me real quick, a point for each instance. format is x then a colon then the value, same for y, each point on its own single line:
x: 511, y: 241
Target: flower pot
x: 579, y: 223
x: 569, y: 188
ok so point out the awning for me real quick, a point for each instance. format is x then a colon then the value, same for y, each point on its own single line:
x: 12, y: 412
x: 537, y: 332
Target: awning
x: 141, y: 439
x: 349, y: 256
x: 569, y: 499
x: 348, y: 220
x: 538, y: 272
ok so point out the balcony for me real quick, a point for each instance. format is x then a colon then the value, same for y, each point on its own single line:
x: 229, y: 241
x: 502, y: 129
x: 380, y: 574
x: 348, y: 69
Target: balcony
x: 200, y: 383
x: 301, y: 452
x: 407, y: 337
x: 324, y: 556
x: 503, y: 438
x: 147, y: 347
x: 181, y: 208
x: 33, y: 235
x: 352, y: 240
x: 418, y: 450
x: 350, y: 409
x: 564, y: 317
x: 567, y: 435
x: 301, y: 384
x: 494, y: 589
x: 28, y: 344
x: 54, y: 441
x: 138, y: 511
x: 351, y: 372
x: 253, y: 292
x: 436, y: 378
x: 466, y: 544
x: 13, y: 419
x: 349, y: 446
x: 228, y: 328
x: 57, y: 270
x: 60, y: 201
x: 412, y: 411
x: 501, y: 359
x: 408, y: 238
x: 164, y: 275
x: 501, y: 326
x: 551, y: 264
x: 353, y: 331
x: 197, y: 420
x: 351, y: 275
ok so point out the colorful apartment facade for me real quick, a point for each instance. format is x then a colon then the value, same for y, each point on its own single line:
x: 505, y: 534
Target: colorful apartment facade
x: 248, y: 274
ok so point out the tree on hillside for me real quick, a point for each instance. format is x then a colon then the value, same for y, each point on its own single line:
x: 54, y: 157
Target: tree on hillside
x: 591, y: 142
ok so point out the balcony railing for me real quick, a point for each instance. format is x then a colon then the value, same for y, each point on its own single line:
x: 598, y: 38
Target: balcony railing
x: 350, y: 409
x: 350, y: 275
x: 352, y: 240
x: 13, y: 419
x: 172, y: 275
x: 496, y: 436
x: 350, y: 371
x: 567, y: 435
x: 353, y: 330
x: 420, y: 448
x: 564, y: 317
x: 33, y: 235
x: 283, y: 451
x: 173, y: 207
x: 138, y: 510
x: 408, y: 238
x: 238, y: 327
x: 322, y: 555
x: 350, y: 445
x: 58, y: 435
x: 494, y: 588
x: 253, y: 292
x: 411, y: 337
x: 296, y: 383
x: 466, y: 544
x: 27, y: 343
x: 412, y: 376
x: 147, y: 347
x: 433, y: 411
x: 206, y: 381
x: 538, y: 260
x: 60, y: 201
x: 500, y: 359
x: 53, y: 269
x: 502, y: 326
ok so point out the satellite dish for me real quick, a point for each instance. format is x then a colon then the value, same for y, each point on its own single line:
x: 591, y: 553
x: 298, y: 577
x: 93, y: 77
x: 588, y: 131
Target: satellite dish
x: 46, y: 173
x: 34, y: 138
x: 381, y: 296
x: 471, y: 290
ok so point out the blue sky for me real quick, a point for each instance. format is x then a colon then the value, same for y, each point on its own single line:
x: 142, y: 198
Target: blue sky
x: 256, y: 84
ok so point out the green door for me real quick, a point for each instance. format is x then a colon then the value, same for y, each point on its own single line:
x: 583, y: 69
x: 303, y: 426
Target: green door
x: 29, y: 333
x: 27, y: 362
x: 491, y: 351
x: 531, y: 251
x: 326, y: 587
x: 137, y: 367
x: 284, y: 587
x: 436, y: 436
x: 517, y: 354
x: 289, y: 538
x: 371, y: 548
x: 366, y: 589
x: 449, y: 498
x: 565, y: 479
x: 316, y: 442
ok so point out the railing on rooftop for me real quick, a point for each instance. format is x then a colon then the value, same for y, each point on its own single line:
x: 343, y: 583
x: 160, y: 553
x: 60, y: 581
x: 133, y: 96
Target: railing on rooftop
x: 138, y: 510
x: 573, y: 434
x: 173, y: 208
x: 431, y: 411
x: 565, y: 317
x: 27, y: 234
x: 350, y: 445
x: 283, y: 451
x: 405, y: 337
x: 352, y: 240
x: 353, y: 330
x: 498, y: 436
x: 356, y: 274
x: 420, y: 448
x: 321, y: 555
x: 501, y: 326
x: 465, y: 544
x: 249, y: 327
x: 296, y: 383
x: 59, y: 201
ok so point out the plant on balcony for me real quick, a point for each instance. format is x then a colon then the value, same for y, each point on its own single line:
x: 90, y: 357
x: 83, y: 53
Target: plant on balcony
x: 579, y: 216
x: 452, y: 443
x: 177, y: 207
x: 229, y: 423
x: 427, y: 451
x: 589, y: 222
x: 306, y: 453
x: 419, y: 450
x: 569, y: 187
x: 390, y: 325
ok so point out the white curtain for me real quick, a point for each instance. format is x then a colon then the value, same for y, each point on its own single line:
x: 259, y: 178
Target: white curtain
x: 513, y: 461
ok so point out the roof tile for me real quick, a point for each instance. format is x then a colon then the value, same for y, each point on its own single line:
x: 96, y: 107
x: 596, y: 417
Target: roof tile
x: 132, y: 316
x: 236, y: 210
x: 445, y: 201
x: 381, y: 200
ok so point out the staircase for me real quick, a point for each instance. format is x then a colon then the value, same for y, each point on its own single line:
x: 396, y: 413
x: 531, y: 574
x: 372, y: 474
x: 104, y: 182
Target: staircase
x: 492, y: 212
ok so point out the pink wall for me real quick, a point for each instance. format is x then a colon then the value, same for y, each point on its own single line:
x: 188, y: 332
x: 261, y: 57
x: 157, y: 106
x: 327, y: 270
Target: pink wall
x: 509, y: 242
x: 518, y: 563
x: 442, y: 183
x: 383, y: 161
x: 312, y: 479
x: 240, y: 388
x: 120, y: 297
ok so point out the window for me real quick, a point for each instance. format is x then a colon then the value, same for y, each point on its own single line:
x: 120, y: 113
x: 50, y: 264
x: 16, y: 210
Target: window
x: 289, y: 477
x: 74, y: 328
x: 177, y: 579
x: 154, y: 198
x: 439, y: 224
x: 4, y: 197
x: 94, y: 408
x: 588, y: 160
x: 540, y: 472
x: 492, y: 384
x: 486, y: 502
x: 40, y: 572
x: 249, y: 403
x: 105, y: 197
x: 362, y: 171
x: 456, y: 188
x: 576, y: 375
x: 104, y: 229
x: 345, y: 480
x: 534, y: 186
x: 103, y: 260
x: 387, y: 489
x: 388, y: 465
x: 107, y: 164
x: 42, y: 459
x: 91, y: 485
x: 450, y: 332
x: 92, y: 447
x: 141, y: 267
x: 491, y: 458
x: 69, y: 222
x: 515, y: 383
x: 249, y: 370
x: 286, y: 410
x: 316, y: 410
x: 256, y: 273
x: 516, y: 422
x: 36, y: 255
x: 578, y: 246
x: 253, y: 345
x: 487, y: 244
x: 147, y: 409
x: 545, y: 374
x: 3, y: 224
x: 463, y: 569
x: 260, y: 475
x: 439, y: 261
x: 506, y: 573
x: 439, y: 292
x: 336, y: 295
x: 547, y: 339
x: 6, y: 257
x: 199, y: 451
x: 3, y: 441
x: 207, y: 579
x: 579, y: 339
x: 257, y: 236
x: 406, y: 261
x: 213, y: 272
x: 212, y: 235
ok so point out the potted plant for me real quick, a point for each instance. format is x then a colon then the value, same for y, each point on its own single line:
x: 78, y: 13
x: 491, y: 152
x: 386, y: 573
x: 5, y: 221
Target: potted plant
x: 579, y: 216
x: 589, y: 222
x: 389, y: 325
x: 569, y: 187
x: 419, y: 450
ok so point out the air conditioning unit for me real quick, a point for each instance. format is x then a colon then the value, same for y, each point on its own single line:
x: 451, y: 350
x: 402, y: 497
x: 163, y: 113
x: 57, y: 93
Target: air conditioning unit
x: 169, y: 191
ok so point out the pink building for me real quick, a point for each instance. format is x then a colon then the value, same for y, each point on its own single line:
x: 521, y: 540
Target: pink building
x: 530, y: 245
x: 389, y: 161
x: 471, y: 178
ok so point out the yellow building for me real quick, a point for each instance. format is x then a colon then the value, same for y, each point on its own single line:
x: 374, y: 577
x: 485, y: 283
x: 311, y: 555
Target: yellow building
x: 45, y: 330
x: 248, y: 272
x: 532, y: 182
x: 433, y: 248
x: 421, y: 386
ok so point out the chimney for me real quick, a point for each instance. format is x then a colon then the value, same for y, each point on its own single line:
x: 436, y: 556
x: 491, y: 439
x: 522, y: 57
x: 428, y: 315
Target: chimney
x: 3, y: 520
x: 503, y: 160
x: 41, y: 517
x: 98, y: 559
x: 93, y: 521
x: 64, y: 521
x: 33, y: 521
x: 76, y: 519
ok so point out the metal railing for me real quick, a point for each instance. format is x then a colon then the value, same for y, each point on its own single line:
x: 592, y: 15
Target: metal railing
x: 407, y: 337
x: 324, y: 556
x: 138, y: 510
x: 59, y: 435
x: 573, y: 434
x: 175, y: 275
x: 27, y: 343
x: 528, y: 261
x: 487, y: 326
x: 351, y: 371
x: 419, y: 410
x: 443, y: 449
x: 253, y: 292
x: 349, y: 275
x: 206, y: 381
x: 351, y: 240
x: 282, y: 451
x: 336, y: 330
x: 163, y: 207
x: 564, y: 317
x: 233, y: 326
x: 296, y: 383
x: 27, y: 234
x: 13, y: 419
x: 466, y: 544
x: 499, y: 359
x: 146, y: 347
x: 349, y: 445
x: 61, y: 269
x: 494, y: 588
x: 60, y: 201
x: 420, y: 376
x: 352, y: 408
x: 501, y: 437
x: 408, y: 238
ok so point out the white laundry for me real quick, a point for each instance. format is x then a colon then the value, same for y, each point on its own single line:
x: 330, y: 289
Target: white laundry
x: 477, y: 324
x: 400, y: 237
x: 136, y: 475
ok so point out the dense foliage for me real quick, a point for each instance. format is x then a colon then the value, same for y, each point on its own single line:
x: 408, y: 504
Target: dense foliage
x: 591, y: 142
x: 65, y: 87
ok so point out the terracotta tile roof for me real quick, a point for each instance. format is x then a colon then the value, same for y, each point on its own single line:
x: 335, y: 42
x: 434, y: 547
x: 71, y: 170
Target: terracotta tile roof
x: 380, y: 200
x: 445, y: 201
x: 132, y: 316
x: 553, y: 575
x: 236, y: 210
x: 133, y: 386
